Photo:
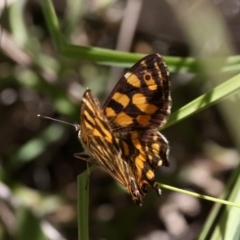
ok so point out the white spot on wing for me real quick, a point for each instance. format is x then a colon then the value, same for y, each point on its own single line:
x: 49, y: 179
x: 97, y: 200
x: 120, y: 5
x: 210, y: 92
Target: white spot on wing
x: 127, y: 74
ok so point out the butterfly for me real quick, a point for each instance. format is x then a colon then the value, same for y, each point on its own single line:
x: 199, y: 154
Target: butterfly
x: 122, y: 136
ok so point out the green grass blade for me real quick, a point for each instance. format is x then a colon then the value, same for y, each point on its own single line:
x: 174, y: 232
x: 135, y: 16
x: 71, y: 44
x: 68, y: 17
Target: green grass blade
x: 223, y: 222
x: 83, y: 203
x: 106, y: 56
x: 206, y: 100
x: 205, y: 197
x: 118, y: 58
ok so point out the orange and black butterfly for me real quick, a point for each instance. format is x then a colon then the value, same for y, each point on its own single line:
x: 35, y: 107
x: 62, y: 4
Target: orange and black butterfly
x: 122, y: 136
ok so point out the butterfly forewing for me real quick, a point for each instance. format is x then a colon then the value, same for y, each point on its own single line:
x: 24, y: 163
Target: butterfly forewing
x: 97, y: 137
x: 141, y: 99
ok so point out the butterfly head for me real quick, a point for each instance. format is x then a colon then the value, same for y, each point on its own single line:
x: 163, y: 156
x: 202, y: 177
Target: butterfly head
x: 77, y: 129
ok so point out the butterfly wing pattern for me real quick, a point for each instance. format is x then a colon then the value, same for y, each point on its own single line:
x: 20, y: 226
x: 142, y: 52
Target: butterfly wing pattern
x: 122, y: 136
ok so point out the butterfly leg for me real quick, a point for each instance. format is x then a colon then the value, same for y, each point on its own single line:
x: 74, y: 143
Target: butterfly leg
x: 85, y: 157
x: 153, y: 184
x: 88, y: 159
x: 157, y: 188
x: 136, y: 196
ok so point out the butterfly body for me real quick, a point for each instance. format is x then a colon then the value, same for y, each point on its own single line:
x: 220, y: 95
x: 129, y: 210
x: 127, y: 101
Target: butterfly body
x: 122, y: 136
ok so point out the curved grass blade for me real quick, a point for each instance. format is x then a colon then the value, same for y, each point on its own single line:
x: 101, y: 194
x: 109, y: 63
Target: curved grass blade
x: 117, y: 58
x: 206, y: 100
x: 223, y: 222
x: 106, y: 56
x: 205, y: 197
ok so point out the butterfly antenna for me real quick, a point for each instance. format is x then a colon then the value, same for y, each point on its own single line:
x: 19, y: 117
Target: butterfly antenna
x: 56, y: 120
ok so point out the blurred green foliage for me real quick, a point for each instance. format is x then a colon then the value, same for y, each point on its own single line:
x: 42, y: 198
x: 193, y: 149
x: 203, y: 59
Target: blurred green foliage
x: 48, y: 60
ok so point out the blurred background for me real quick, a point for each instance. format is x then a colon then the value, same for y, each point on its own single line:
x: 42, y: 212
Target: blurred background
x: 38, y: 186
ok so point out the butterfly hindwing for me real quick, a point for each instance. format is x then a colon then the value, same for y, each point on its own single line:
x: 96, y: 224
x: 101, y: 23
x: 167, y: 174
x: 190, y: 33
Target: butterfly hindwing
x: 144, y: 151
